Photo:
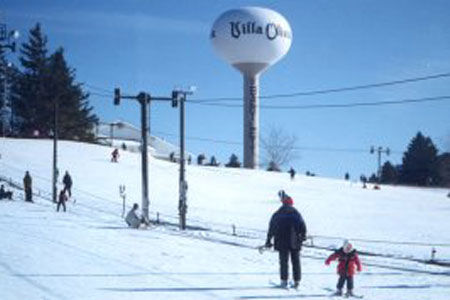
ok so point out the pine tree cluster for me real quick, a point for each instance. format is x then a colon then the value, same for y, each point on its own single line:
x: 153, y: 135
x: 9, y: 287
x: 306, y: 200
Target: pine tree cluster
x: 421, y: 165
x: 45, y: 88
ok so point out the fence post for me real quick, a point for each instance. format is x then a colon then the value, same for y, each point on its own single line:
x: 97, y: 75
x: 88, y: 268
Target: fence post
x: 122, y: 193
x: 234, y: 229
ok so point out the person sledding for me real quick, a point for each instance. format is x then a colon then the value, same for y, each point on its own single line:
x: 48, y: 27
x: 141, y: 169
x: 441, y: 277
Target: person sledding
x: 347, y: 266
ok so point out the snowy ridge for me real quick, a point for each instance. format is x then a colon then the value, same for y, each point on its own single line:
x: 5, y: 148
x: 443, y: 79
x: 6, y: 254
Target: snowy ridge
x: 124, y: 133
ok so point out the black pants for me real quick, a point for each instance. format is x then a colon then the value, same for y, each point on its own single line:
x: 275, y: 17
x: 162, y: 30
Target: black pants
x: 28, y: 195
x: 68, y: 188
x: 342, y: 279
x: 63, y: 203
x: 295, y: 261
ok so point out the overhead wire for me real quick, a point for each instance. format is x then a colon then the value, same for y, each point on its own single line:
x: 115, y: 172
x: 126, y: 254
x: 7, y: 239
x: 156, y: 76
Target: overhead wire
x: 94, y: 87
x: 303, y: 148
x: 332, y: 90
x: 99, y: 91
x: 337, y: 105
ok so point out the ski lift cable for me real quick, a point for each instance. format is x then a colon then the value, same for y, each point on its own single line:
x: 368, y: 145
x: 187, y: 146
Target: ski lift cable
x: 109, y: 93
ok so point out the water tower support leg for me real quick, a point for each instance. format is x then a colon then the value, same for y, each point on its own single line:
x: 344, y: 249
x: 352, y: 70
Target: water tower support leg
x: 251, y: 121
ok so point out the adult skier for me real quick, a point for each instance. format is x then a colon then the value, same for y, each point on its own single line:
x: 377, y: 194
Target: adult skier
x: 292, y: 173
x: 27, y: 186
x: 288, y: 229
x: 115, y: 155
x: 67, y: 181
x: 348, y: 263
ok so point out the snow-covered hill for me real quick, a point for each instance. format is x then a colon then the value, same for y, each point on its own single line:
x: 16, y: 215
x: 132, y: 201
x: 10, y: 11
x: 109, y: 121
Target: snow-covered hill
x: 88, y: 253
x: 121, y: 133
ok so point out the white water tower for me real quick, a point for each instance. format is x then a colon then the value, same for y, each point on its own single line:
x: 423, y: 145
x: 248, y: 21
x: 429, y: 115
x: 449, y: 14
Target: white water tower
x: 251, y: 39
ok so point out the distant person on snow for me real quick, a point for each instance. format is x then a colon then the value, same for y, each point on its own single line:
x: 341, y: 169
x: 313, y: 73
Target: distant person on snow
x: 292, y: 173
x: 4, y: 194
x: 27, y: 186
x: 348, y: 263
x: 67, y: 181
x: 62, y: 200
x: 132, y: 218
x: 364, y: 181
x: 115, y: 155
x: 288, y: 229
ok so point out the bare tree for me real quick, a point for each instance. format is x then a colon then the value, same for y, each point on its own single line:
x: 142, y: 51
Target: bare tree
x: 278, y: 147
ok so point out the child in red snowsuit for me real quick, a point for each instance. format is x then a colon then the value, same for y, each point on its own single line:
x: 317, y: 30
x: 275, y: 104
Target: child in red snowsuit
x: 348, y: 263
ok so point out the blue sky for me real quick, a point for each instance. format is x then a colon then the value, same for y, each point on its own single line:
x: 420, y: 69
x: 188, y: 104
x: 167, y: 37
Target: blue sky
x: 155, y: 46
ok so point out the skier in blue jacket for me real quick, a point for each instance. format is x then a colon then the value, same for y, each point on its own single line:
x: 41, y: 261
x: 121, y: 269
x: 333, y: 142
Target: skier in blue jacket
x: 288, y: 229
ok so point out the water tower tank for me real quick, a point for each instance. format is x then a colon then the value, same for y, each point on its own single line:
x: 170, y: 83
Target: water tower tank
x: 251, y: 39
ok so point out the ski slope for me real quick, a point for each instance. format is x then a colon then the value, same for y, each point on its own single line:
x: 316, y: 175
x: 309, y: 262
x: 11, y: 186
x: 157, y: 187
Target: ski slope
x: 88, y: 253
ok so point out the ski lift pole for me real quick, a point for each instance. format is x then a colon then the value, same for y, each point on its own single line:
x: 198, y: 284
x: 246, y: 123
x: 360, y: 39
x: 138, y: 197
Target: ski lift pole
x: 179, y: 96
x: 144, y: 100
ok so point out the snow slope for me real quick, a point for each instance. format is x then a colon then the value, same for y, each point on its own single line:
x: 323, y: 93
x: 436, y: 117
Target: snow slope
x: 88, y: 253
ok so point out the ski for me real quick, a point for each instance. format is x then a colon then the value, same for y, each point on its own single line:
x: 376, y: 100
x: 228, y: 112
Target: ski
x: 354, y: 296
x: 279, y: 286
x: 344, y: 295
x: 333, y: 293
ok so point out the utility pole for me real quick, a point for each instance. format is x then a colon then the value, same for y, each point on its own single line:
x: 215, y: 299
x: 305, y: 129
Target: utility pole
x: 379, y: 151
x: 179, y: 96
x: 144, y: 100
x: 7, y: 41
x: 55, y: 151
x: 4, y: 98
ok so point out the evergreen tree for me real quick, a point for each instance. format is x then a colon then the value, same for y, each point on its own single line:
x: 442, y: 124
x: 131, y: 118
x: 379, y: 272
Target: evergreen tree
x: 13, y: 76
x: 373, y: 178
x: 29, y: 102
x: 3, y: 93
x: 200, y: 159
x: 389, y: 173
x: 213, y: 161
x: 443, y: 162
x: 420, y: 162
x: 75, y: 117
x: 46, y: 88
x: 234, y: 162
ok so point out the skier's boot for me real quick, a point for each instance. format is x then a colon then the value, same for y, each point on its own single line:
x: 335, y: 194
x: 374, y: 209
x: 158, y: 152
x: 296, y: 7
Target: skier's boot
x: 349, y: 293
x: 284, y: 284
x: 296, y: 285
x: 338, y: 293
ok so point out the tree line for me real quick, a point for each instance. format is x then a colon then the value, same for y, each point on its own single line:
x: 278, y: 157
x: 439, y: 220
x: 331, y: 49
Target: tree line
x: 44, y: 87
x: 422, y: 165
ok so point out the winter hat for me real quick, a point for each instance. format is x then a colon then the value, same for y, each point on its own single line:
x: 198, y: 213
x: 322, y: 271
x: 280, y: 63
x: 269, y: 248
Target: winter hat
x: 285, y: 199
x: 288, y: 201
x: 347, y: 247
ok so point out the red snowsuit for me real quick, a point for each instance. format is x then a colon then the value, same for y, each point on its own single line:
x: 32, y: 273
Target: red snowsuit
x: 348, y: 262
